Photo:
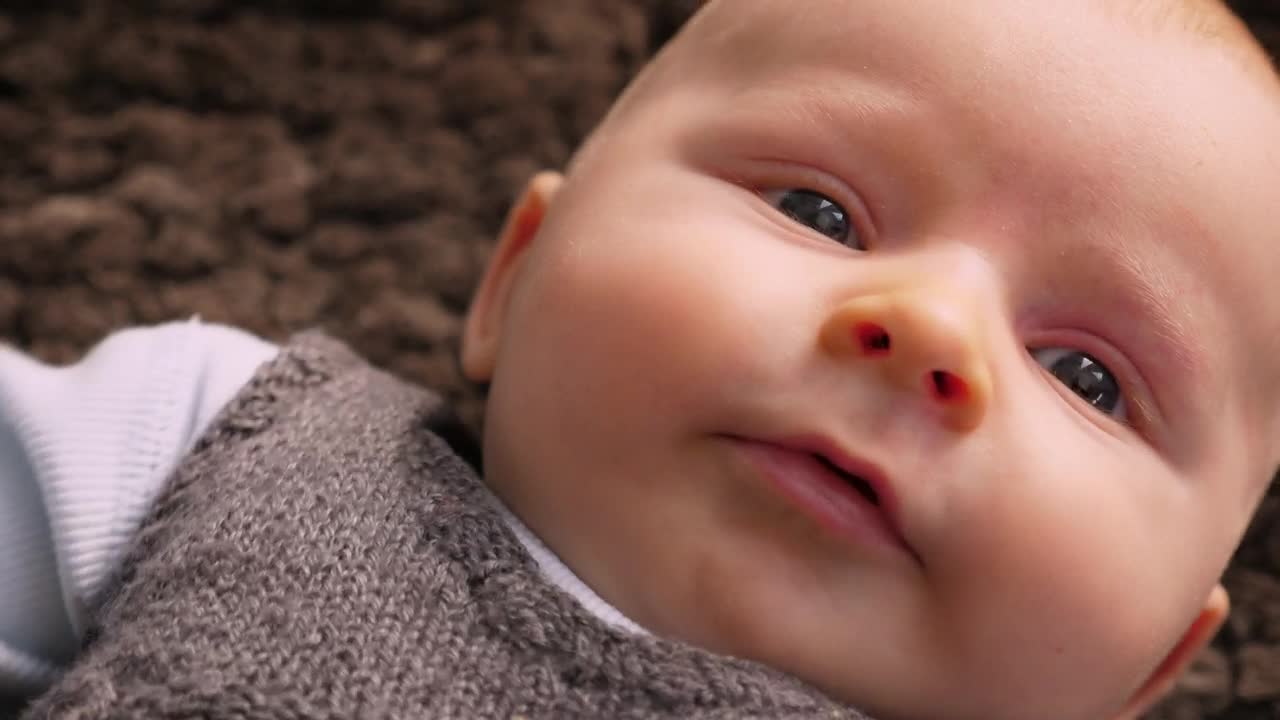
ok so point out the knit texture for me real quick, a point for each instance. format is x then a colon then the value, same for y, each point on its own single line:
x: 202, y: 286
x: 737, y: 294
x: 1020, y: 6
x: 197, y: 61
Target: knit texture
x: 324, y: 552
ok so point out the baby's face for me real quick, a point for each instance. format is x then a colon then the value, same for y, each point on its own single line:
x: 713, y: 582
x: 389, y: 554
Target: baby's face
x: 1009, y: 265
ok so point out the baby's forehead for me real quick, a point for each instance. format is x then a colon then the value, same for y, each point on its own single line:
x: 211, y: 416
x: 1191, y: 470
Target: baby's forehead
x: 756, y: 30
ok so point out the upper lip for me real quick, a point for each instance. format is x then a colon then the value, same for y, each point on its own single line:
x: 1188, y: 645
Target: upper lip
x: 845, y: 462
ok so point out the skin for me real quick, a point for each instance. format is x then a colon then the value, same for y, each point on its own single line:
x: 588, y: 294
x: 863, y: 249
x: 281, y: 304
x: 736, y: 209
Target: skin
x: 1023, y: 177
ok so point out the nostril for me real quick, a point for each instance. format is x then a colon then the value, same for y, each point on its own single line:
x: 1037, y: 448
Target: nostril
x: 948, y: 387
x: 873, y: 339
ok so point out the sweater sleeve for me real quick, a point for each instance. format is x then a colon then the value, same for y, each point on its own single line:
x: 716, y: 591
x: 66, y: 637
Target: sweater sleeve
x: 84, y: 450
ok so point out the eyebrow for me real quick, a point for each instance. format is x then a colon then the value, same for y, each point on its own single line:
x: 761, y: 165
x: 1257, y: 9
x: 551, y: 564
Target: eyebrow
x: 1147, y: 292
x: 872, y: 106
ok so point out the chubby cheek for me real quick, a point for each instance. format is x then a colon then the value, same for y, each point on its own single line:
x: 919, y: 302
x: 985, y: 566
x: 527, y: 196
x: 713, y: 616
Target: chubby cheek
x: 1062, y: 574
x: 659, y: 320
x: 632, y: 338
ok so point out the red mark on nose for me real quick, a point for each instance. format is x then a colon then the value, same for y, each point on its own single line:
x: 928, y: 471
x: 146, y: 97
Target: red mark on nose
x: 948, y: 387
x: 873, y: 339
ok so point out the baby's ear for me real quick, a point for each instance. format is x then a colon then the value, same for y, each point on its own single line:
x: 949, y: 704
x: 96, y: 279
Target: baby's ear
x: 486, y: 318
x: 1196, y: 638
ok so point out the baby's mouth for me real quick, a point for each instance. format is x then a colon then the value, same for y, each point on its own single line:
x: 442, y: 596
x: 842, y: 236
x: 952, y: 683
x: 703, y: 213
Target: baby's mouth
x: 857, y: 482
x: 851, y: 498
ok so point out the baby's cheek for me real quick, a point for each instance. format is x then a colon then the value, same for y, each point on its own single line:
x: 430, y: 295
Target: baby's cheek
x: 1053, y: 586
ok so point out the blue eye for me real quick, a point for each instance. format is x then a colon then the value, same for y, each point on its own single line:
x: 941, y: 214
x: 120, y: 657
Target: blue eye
x: 817, y: 212
x: 1084, y: 376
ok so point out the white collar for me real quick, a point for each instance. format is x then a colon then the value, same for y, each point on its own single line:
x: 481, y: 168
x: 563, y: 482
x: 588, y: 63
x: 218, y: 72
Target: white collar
x: 554, y: 569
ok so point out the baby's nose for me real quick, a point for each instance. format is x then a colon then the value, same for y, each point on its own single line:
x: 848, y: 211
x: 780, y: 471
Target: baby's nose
x: 924, y: 341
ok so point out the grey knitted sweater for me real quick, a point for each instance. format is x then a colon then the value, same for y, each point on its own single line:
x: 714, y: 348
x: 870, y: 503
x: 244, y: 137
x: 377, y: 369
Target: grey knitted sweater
x: 325, y: 552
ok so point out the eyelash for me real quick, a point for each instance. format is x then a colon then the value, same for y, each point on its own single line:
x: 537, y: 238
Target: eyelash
x: 1131, y: 383
x: 782, y: 175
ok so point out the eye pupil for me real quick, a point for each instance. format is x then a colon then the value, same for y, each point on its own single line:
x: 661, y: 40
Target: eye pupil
x: 1089, y: 379
x: 818, y: 212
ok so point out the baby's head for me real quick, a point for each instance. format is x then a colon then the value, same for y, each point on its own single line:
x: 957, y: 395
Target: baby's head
x: 924, y: 350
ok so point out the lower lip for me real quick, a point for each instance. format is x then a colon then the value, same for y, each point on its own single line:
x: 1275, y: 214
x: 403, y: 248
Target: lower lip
x: 824, y: 495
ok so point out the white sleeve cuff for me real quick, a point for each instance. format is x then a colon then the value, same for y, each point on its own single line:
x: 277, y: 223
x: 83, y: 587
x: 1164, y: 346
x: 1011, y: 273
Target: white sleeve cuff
x: 84, y: 451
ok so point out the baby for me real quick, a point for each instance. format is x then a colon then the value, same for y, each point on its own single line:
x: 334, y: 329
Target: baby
x: 912, y: 357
